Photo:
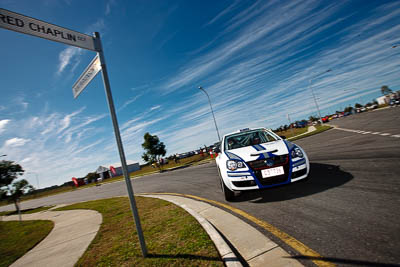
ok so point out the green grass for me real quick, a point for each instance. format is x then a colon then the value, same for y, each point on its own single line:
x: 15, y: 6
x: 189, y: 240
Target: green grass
x: 296, y: 131
x: 26, y: 211
x: 319, y: 129
x: 173, y: 237
x: 17, y: 238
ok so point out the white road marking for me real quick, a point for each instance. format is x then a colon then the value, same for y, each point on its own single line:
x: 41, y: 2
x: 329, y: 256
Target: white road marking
x: 366, y: 132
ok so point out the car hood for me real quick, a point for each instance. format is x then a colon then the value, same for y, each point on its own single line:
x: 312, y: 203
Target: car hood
x: 256, y: 152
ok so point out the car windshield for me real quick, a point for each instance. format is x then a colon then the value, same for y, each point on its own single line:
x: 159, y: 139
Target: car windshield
x: 247, y: 138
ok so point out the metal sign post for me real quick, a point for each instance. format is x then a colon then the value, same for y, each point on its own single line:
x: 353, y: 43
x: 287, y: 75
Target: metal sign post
x: 119, y: 143
x: 16, y: 22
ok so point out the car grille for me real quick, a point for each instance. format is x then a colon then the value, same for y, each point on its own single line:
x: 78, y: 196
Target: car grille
x: 262, y: 163
x: 257, y: 165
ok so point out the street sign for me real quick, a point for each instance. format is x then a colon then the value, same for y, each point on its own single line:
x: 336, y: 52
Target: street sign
x: 23, y: 24
x: 85, y: 78
x: 20, y: 23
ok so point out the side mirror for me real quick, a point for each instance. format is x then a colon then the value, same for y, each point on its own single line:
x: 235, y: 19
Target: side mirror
x: 217, y: 150
x: 282, y: 136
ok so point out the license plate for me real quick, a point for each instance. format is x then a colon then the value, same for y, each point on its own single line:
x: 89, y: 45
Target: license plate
x: 272, y: 172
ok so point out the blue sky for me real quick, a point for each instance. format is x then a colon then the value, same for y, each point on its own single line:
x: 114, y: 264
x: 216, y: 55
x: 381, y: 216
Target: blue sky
x: 254, y: 58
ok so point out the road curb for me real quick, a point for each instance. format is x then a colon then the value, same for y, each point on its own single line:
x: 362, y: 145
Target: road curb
x: 228, y: 256
x: 253, y: 247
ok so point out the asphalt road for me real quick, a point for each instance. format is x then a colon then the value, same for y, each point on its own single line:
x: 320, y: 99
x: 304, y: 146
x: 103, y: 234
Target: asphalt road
x: 348, y: 211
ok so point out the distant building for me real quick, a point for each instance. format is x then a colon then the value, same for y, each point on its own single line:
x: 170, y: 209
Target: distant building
x: 382, y: 100
x: 103, y: 172
x: 132, y: 166
x: 112, y: 171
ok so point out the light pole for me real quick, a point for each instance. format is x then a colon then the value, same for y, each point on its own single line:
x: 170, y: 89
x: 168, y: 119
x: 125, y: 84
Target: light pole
x: 312, y: 91
x: 290, y: 124
x: 212, y: 112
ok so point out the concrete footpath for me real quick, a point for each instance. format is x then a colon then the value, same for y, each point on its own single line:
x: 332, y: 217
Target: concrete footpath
x: 309, y: 130
x: 74, y: 230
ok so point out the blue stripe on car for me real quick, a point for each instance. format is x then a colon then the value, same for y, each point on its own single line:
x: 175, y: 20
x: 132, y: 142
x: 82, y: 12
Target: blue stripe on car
x: 268, y: 155
x: 289, y: 145
x: 258, y: 147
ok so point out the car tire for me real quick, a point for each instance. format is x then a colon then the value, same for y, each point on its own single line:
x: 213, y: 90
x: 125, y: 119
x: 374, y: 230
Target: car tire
x: 229, y: 195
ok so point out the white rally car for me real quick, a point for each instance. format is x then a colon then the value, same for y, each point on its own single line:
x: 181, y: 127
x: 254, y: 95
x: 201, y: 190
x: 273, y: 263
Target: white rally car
x: 258, y: 158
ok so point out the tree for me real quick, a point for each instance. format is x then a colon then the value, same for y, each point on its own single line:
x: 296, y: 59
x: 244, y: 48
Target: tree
x: 92, y: 177
x: 357, y: 105
x: 312, y: 118
x: 9, y: 171
x: 16, y: 190
x: 348, y: 109
x: 385, y: 90
x: 154, y: 149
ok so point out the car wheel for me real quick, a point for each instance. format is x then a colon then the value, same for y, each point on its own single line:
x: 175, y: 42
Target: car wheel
x: 229, y: 195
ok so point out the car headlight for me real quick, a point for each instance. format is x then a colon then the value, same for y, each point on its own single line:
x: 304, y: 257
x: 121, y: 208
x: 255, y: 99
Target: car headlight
x: 296, y: 153
x: 233, y: 165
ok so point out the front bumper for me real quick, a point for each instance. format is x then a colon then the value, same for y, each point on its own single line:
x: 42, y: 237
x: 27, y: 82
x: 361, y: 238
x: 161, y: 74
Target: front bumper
x: 252, y: 179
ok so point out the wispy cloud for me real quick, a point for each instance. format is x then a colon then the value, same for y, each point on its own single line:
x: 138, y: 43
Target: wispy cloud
x: 66, y: 121
x: 166, y: 40
x: 66, y: 56
x: 74, y: 130
x: 262, y: 73
x: 260, y: 28
x: 3, y: 124
x: 130, y: 101
x: 22, y: 102
x: 222, y: 13
x: 38, y: 145
x: 155, y: 107
x: 15, y: 142
x: 109, y: 6
x: 98, y: 26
